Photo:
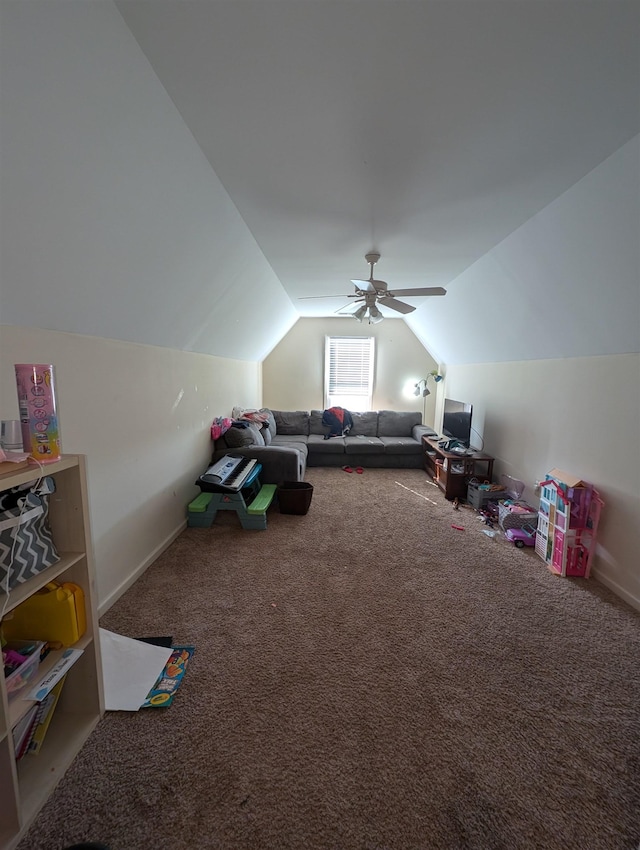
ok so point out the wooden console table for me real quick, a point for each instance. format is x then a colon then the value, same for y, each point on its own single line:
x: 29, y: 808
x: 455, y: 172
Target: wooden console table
x: 452, y: 471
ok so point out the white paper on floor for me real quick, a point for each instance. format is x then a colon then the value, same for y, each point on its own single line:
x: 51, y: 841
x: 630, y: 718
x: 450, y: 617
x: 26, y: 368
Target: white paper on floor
x: 130, y: 669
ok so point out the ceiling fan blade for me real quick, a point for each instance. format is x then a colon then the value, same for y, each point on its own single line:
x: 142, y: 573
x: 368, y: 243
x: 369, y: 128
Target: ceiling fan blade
x: 425, y: 290
x: 399, y: 306
x: 347, y: 310
x: 365, y: 285
x: 307, y: 297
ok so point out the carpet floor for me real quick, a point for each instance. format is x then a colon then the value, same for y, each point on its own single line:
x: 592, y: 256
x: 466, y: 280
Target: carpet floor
x: 367, y: 677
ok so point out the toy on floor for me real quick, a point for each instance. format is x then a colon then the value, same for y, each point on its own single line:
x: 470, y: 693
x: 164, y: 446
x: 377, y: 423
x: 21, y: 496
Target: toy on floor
x: 520, y: 537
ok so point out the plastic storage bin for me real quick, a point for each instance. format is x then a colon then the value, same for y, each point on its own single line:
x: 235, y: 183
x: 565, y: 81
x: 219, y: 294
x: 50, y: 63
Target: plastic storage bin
x: 26, y: 673
x: 513, y: 511
x: 294, y: 497
x: 516, y: 515
x: 478, y: 498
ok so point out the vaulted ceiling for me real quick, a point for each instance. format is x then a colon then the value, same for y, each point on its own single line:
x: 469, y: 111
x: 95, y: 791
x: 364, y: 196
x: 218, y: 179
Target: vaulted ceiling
x: 429, y: 131
x: 195, y: 173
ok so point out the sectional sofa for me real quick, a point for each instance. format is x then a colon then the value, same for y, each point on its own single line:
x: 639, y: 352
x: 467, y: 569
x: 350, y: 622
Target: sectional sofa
x: 292, y: 439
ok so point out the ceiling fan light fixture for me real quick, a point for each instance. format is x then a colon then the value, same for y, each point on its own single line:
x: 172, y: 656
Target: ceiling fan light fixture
x: 373, y: 292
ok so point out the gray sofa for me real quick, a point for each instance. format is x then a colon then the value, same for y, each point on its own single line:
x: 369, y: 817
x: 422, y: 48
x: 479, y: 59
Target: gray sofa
x: 293, y: 439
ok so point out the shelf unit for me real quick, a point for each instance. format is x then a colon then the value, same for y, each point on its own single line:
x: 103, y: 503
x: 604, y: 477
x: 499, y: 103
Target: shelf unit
x: 451, y: 471
x: 26, y: 785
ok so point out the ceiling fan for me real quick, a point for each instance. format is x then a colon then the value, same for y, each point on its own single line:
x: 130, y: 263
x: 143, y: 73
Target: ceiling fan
x: 370, y: 293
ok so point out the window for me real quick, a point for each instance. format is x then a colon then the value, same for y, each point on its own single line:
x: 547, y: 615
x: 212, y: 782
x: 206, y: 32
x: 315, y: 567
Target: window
x: 348, y: 372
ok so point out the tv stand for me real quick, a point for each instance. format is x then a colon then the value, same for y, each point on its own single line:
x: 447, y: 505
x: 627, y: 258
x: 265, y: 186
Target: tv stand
x: 451, y: 471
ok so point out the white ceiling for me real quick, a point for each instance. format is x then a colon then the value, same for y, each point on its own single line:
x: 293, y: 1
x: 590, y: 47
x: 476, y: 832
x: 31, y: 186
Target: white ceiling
x: 429, y: 131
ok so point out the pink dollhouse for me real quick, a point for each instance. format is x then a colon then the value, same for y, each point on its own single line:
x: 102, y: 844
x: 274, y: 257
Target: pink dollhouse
x: 567, y: 523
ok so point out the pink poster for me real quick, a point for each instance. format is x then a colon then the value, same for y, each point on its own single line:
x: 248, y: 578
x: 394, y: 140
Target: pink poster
x: 38, y: 416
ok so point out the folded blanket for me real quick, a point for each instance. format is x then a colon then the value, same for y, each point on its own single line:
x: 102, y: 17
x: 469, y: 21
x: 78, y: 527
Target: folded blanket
x: 255, y: 416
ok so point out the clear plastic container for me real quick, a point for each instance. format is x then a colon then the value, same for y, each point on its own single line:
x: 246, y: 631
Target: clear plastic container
x: 26, y: 673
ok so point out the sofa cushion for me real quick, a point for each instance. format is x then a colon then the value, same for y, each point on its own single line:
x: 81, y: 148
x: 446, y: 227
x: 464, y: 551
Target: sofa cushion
x: 392, y: 423
x: 315, y: 423
x: 401, y: 446
x: 291, y: 422
x: 362, y: 445
x: 299, y: 447
x: 319, y: 446
x: 235, y: 438
x: 289, y: 439
x: 271, y: 421
x: 256, y: 431
x: 364, y: 424
x: 266, y: 434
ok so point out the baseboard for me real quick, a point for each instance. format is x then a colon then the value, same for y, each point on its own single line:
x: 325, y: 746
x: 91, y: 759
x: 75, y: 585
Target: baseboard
x: 113, y: 597
x: 629, y: 598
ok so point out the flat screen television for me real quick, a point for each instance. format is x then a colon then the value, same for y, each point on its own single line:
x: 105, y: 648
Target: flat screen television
x: 456, y: 421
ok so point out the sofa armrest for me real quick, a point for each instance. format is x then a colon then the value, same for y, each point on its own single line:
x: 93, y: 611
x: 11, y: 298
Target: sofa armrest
x: 420, y: 431
x: 279, y: 463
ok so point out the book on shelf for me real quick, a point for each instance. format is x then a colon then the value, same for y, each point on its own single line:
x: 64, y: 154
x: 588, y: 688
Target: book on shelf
x: 48, y: 706
x: 23, y: 729
x: 59, y: 669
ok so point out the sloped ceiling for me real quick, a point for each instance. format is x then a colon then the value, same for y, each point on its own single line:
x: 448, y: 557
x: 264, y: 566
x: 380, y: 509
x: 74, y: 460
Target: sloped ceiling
x: 193, y: 173
x: 429, y: 131
x: 114, y: 224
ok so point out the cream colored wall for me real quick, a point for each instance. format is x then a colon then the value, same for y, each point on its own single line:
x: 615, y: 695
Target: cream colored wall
x: 581, y: 415
x: 142, y: 415
x: 293, y: 374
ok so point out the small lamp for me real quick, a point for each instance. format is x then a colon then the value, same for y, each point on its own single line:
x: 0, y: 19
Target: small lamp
x: 421, y: 388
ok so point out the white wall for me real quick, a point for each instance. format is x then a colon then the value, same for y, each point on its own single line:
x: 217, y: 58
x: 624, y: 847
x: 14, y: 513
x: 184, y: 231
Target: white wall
x: 142, y: 415
x: 293, y: 374
x: 535, y: 407
x: 581, y: 415
x: 115, y: 227
x: 113, y: 222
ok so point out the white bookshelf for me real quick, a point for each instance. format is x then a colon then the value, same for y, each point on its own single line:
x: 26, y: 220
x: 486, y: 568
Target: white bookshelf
x: 26, y: 785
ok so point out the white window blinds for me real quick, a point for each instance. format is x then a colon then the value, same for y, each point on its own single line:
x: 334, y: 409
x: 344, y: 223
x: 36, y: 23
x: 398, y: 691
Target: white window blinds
x: 349, y: 372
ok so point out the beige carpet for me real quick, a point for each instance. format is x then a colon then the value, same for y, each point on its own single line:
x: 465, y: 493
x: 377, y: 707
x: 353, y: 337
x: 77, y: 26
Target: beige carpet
x: 367, y: 678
